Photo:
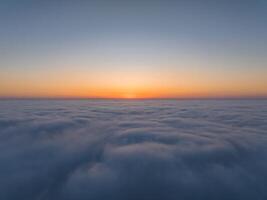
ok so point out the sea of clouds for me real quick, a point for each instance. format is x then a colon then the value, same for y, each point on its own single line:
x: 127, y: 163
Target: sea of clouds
x: 133, y: 150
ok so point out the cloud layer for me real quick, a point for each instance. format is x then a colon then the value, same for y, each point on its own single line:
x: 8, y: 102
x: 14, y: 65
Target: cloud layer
x: 117, y: 150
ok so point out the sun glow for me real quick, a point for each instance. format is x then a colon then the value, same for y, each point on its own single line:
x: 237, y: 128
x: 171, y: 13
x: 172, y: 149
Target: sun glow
x: 130, y: 96
x: 139, y: 82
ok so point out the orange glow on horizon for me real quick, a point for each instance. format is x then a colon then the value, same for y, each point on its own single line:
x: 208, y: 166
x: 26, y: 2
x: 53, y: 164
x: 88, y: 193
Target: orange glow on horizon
x: 135, y: 84
x: 139, y: 93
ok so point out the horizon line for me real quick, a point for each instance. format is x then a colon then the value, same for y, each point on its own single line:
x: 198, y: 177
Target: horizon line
x: 131, y: 99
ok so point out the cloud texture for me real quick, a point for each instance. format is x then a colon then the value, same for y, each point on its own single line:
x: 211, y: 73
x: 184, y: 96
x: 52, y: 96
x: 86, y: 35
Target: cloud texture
x: 134, y: 150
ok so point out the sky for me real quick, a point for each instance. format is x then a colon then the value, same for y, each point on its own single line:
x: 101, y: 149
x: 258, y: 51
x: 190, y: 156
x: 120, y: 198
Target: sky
x: 133, y: 49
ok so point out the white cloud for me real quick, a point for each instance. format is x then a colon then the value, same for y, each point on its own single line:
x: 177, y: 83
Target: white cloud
x: 133, y: 150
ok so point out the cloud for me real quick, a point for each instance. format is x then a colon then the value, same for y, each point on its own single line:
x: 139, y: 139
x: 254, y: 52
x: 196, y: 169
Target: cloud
x: 133, y: 150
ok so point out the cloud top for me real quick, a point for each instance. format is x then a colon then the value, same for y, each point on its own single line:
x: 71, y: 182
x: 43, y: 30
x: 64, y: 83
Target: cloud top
x: 133, y: 150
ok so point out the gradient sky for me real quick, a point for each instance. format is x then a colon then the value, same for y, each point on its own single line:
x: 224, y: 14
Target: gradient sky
x: 127, y: 49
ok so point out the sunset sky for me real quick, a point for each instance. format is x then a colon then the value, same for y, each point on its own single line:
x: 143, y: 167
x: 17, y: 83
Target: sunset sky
x: 133, y: 49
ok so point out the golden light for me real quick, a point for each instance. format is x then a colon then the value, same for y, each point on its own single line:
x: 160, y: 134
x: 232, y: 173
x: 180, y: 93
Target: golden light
x: 129, y: 83
x: 129, y: 96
